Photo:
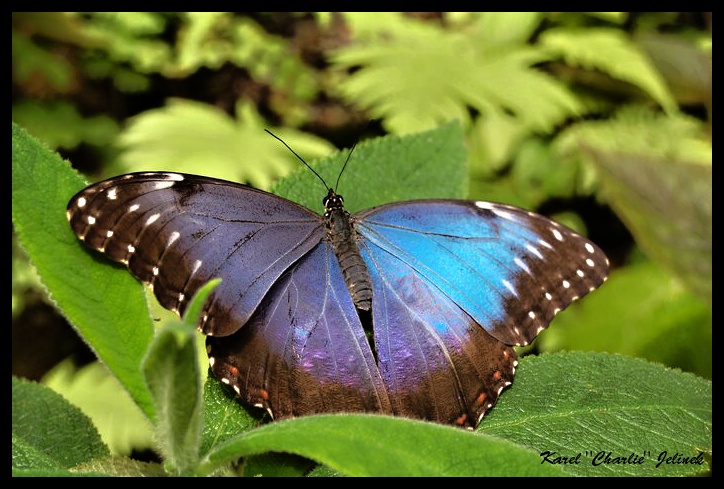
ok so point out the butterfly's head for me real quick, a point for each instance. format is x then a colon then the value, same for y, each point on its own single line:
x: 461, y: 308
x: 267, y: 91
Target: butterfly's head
x: 332, y: 201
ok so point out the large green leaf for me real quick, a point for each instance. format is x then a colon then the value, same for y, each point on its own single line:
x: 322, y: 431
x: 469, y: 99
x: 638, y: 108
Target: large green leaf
x: 587, y: 403
x: 373, y: 445
x: 431, y: 164
x: 102, y: 301
x: 567, y: 403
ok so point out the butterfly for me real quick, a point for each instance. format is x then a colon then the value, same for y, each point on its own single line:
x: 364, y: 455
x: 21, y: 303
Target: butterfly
x: 409, y: 309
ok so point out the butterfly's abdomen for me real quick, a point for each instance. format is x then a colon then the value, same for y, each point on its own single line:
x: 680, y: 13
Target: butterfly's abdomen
x: 342, y: 237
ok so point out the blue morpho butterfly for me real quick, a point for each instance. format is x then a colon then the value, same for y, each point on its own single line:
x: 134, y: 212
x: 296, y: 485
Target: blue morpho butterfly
x: 408, y: 309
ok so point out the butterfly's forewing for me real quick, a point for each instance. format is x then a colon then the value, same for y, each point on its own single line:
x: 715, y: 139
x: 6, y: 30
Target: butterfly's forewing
x: 304, y: 350
x: 510, y: 269
x: 176, y: 232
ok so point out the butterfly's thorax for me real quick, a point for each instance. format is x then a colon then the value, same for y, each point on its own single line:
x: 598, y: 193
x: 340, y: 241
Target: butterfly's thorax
x: 343, y: 238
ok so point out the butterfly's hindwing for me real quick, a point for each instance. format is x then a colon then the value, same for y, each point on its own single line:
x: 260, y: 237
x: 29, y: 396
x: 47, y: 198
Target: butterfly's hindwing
x: 304, y: 350
x: 436, y: 361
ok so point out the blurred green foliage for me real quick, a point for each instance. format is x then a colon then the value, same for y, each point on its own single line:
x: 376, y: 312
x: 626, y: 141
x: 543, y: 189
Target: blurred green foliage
x: 557, y: 109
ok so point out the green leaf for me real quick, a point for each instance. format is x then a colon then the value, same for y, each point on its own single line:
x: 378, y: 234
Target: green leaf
x: 431, y: 164
x: 635, y: 129
x: 119, y: 467
x: 610, y: 51
x: 567, y: 403
x: 48, y: 433
x: 103, y: 302
x: 373, y: 445
x: 492, y: 141
x: 667, y: 206
x: 199, y: 45
x: 224, y: 415
x: 586, y: 403
x: 193, y: 137
x: 501, y: 28
x: 212, y: 39
x: 686, y: 67
x: 127, y: 38
x: 377, y: 25
x: 30, y: 59
x: 171, y: 370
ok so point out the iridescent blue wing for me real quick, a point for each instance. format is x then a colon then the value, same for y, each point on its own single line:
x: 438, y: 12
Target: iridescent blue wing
x: 176, y: 232
x: 454, y: 283
x: 511, y: 270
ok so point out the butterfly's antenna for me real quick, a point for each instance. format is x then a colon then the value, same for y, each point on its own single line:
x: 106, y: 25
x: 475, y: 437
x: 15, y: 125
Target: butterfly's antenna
x: 300, y: 158
x: 336, y: 185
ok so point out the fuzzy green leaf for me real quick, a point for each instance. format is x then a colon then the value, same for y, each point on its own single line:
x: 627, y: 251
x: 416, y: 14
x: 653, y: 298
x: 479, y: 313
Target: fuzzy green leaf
x: 431, y: 164
x: 172, y: 374
x: 119, y: 467
x: 373, y: 445
x: 587, y: 403
x: 224, y: 416
x: 103, y: 302
x: 171, y: 368
x: 49, y: 433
